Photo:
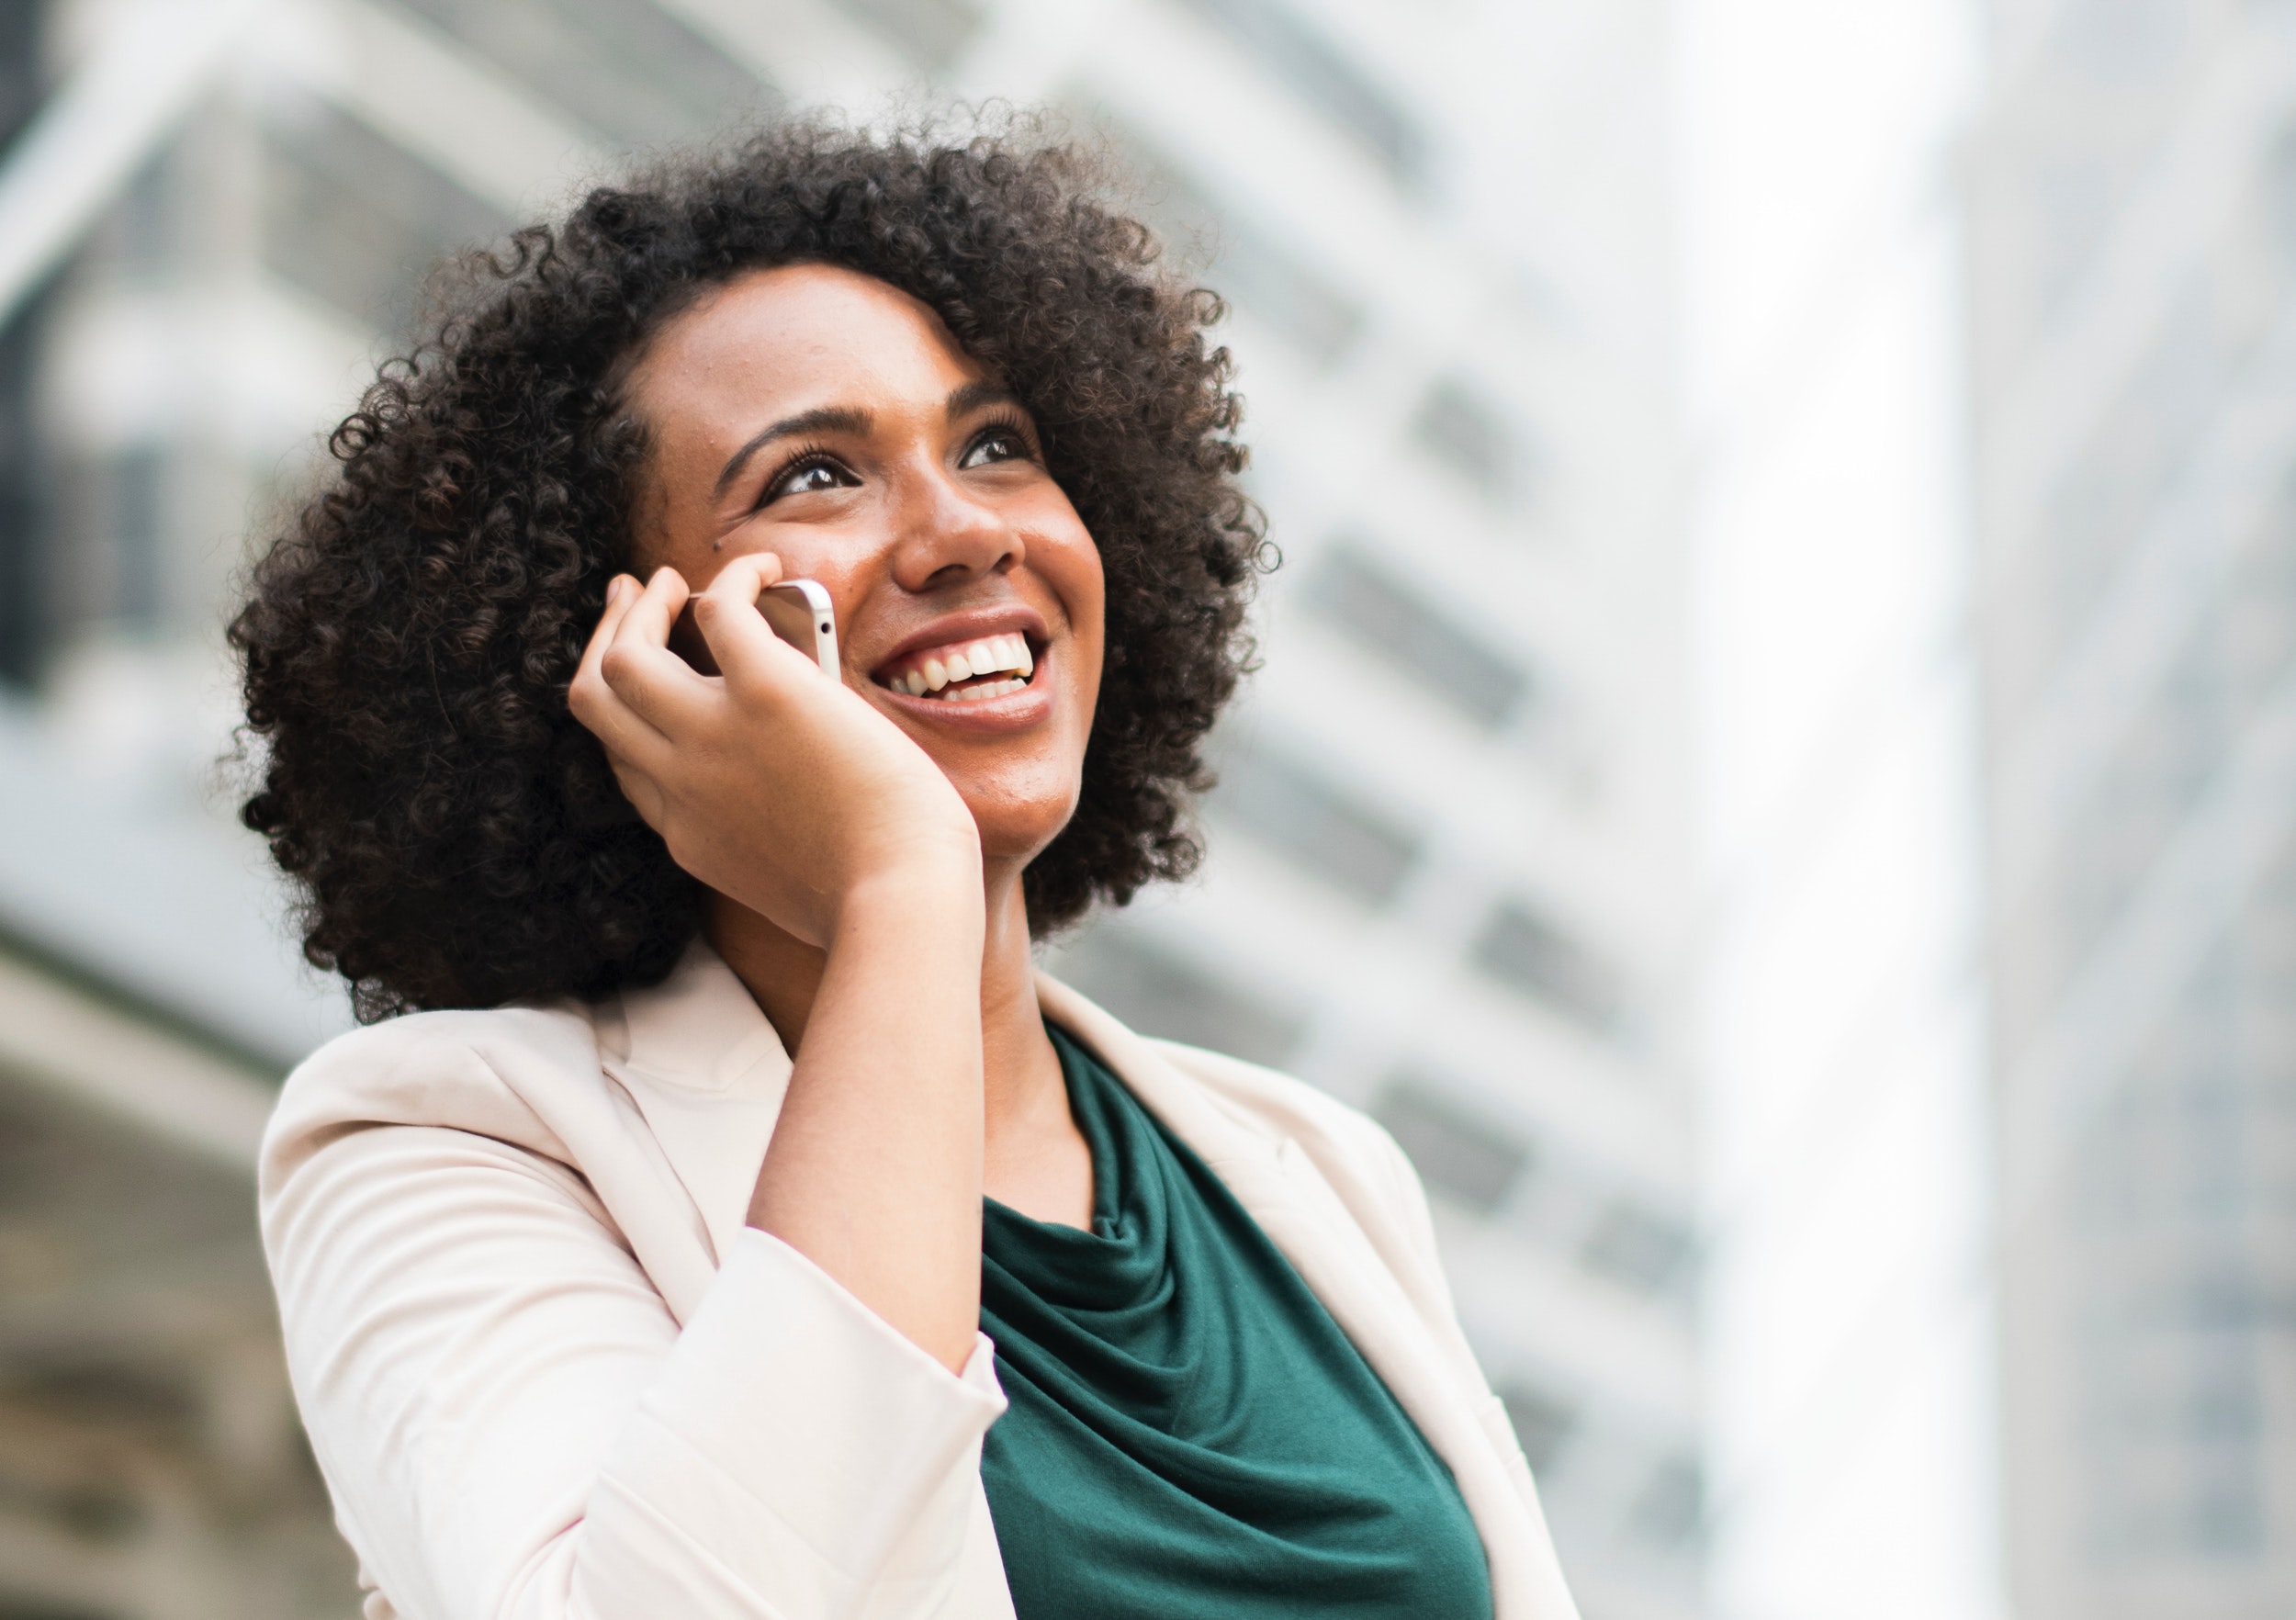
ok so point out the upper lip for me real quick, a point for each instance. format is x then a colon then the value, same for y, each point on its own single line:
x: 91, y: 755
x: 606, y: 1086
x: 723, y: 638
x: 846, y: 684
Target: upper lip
x: 970, y: 625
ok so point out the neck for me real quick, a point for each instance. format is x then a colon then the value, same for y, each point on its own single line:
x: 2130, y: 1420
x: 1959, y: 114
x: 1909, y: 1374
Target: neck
x: 1021, y: 1069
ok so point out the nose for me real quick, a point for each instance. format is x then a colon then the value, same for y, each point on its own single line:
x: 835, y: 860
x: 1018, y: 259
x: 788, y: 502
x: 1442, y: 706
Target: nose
x: 946, y: 534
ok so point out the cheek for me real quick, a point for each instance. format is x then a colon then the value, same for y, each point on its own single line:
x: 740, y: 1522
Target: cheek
x: 805, y: 550
x: 805, y: 553
x: 1072, y: 568
x: 1092, y: 637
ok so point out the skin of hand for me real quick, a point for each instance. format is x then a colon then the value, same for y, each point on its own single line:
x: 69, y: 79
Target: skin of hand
x: 864, y: 847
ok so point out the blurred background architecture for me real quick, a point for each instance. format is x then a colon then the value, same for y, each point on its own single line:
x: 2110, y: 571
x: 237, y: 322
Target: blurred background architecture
x: 1775, y: 773
x: 2132, y: 238
x: 1847, y: 1336
x: 1451, y: 866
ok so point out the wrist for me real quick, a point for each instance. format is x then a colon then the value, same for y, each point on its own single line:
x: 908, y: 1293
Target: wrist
x: 930, y: 897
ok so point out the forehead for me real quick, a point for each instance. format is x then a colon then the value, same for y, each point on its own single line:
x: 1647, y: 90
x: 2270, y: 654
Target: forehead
x: 795, y: 338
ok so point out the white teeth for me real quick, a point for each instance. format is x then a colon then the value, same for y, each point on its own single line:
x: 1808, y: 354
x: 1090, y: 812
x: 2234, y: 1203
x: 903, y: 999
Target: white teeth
x: 973, y: 694
x: 991, y: 655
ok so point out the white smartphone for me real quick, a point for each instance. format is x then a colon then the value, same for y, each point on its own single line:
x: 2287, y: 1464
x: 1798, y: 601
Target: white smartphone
x: 798, y: 611
x: 800, y: 614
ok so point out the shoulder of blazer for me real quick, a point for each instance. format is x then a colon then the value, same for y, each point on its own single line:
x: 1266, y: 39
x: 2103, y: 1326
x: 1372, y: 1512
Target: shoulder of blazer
x: 465, y: 1070
x: 538, y: 1074
x: 543, y: 1080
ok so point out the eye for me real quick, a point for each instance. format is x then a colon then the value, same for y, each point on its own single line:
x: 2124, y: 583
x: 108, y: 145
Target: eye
x: 996, y: 444
x: 808, y: 476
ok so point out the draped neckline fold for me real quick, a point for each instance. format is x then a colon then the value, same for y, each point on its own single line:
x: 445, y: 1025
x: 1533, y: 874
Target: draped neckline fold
x: 1190, y: 1434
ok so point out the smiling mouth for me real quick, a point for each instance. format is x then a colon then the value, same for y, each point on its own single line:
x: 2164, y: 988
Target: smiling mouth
x: 964, y: 671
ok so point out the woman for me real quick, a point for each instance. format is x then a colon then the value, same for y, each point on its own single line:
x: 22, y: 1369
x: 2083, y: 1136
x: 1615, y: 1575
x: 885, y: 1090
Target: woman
x: 643, y: 1267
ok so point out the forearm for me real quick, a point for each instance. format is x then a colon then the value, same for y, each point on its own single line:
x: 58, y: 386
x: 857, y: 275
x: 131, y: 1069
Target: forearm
x: 874, y: 1169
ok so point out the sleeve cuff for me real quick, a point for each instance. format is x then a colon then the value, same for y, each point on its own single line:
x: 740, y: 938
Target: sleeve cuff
x: 857, y: 1444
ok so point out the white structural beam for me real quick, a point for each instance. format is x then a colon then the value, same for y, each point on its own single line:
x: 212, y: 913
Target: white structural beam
x: 57, y: 1036
x: 145, y: 72
x: 450, y: 108
x: 2216, y: 504
x: 2070, y: 1074
x: 813, y: 51
x: 2190, y: 188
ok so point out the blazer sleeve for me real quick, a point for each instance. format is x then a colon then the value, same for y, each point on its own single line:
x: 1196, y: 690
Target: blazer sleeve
x: 514, y: 1427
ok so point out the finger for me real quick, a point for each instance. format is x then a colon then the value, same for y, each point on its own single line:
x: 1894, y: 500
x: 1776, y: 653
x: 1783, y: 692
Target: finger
x: 613, y: 673
x: 746, y: 576
x: 590, y: 694
x: 626, y: 735
x: 621, y: 591
x: 740, y: 638
x: 660, y: 687
x: 654, y: 609
x: 645, y: 795
x: 756, y: 570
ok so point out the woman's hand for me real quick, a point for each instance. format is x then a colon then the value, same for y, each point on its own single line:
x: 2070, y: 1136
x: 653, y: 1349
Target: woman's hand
x: 791, y: 796
x: 782, y: 791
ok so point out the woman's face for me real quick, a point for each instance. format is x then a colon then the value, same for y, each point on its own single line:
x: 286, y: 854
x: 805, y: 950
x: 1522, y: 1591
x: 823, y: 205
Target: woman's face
x: 822, y: 415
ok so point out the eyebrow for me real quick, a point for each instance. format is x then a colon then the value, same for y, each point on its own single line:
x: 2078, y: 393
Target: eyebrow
x: 967, y: 398
x: 828, y: 419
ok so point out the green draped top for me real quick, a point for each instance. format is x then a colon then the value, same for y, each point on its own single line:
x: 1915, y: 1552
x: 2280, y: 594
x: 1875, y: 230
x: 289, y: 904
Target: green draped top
x: 1190, y: 1434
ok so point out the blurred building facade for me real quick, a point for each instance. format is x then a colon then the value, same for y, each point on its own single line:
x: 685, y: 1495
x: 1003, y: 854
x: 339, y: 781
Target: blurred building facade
x: 1449, y: 865
x: 2132, y: 235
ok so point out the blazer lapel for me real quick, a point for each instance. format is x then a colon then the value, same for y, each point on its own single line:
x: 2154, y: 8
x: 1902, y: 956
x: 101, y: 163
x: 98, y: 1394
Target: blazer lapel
x: 707, y: 1072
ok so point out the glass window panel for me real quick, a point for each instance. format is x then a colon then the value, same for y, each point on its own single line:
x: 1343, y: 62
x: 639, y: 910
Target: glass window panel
x: 1463, y: 1157
x: 629, y: 70
x: 1159, y: 991
x: 1672, y: 1504
x: 1318, y: 824
x: 1242, y: 259
x: 1526, y: 952
x: 24, y: 559
x: 1419, y: 638
x: 357, y: 220
x: 1316, y: 69
x: 1466, y: 432
x: 1543, y: 1421
x: 110, y: 566
x: 1638, y: 1247
x: 933, y: 33
x: 22, y: 543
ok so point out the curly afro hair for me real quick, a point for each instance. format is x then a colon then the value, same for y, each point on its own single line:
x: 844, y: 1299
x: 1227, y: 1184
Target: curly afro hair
x: 456, y: 837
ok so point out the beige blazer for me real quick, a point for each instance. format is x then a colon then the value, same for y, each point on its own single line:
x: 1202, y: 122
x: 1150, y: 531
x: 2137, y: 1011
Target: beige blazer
x: 548, y: 1371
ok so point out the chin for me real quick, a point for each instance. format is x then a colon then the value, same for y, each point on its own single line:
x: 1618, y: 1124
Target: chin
x: 1019, y: 827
